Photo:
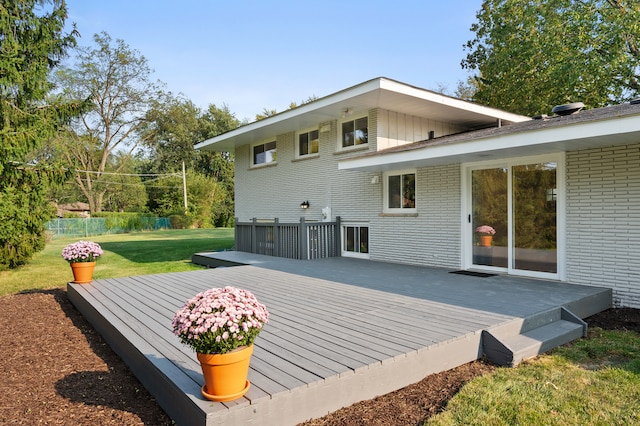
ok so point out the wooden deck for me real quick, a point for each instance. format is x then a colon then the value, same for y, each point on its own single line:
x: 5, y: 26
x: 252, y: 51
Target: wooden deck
x: 341, y: 330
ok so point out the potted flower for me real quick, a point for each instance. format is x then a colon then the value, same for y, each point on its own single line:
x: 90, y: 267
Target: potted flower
x: 82, y: 256
x: 486, y: 235
x: 220, y: 325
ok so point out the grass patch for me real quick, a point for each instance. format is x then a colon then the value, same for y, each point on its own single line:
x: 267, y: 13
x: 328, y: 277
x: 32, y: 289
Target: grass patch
x: 124, y: 255
x: 593, y: 381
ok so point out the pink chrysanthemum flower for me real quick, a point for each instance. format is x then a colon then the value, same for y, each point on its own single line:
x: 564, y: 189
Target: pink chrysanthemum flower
x: 211, y: 320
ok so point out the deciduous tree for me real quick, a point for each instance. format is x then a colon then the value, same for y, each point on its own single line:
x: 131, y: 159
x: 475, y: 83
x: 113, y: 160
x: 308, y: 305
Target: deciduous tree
x: 532, y: 55
x: 173, y: 127
x: 118, y: 81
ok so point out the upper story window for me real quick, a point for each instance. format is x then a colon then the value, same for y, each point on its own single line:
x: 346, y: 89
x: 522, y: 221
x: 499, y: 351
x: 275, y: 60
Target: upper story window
x: 308, y: 143
x: 355, y: 132
x: 264, y: 153
x: 400, y: 191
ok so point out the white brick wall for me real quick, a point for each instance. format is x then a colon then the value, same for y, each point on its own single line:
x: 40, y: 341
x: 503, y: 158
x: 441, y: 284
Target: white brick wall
x: 277, y: 191
x: 603, y: 207
x: 433, y: 237
x: 603, y: 220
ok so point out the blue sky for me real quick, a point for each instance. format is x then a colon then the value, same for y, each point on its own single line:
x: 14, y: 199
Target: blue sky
x: 251, y: 54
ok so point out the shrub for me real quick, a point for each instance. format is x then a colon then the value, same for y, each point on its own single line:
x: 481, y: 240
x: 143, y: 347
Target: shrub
x: 180, y: 221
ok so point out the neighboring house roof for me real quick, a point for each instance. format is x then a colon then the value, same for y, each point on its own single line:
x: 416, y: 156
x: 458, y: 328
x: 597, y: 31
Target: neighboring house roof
x: 74, y: 207
x: 613, y: 125
x: 381, y: 93
x: 77, y: 207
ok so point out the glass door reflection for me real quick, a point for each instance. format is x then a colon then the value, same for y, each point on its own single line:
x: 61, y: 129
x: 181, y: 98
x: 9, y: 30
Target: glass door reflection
x: 489, y: 201
x: 535, y: 218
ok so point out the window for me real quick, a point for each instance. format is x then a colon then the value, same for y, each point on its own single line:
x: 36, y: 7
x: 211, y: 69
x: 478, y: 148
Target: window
x: 308, y: 143
x: 355, y: 132
x: 355, y: 241
x: 264, y: 153
x: 400, y: 191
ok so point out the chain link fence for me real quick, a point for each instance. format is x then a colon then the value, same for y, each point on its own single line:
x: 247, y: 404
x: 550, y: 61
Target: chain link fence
x: 85, y: 227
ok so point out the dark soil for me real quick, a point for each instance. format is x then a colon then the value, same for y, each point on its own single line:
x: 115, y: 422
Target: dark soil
x: 56, y: 370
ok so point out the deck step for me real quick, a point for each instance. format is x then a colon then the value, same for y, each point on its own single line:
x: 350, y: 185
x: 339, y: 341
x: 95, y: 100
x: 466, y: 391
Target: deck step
x: 205, y: 259
x: 512, y: 349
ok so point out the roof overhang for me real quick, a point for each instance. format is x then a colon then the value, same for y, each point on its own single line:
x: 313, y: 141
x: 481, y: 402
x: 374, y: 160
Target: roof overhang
x: 568, y: 137
x: 377, y: 93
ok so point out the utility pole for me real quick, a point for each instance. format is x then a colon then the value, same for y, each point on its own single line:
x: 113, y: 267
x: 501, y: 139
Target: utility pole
x: 184, y: 187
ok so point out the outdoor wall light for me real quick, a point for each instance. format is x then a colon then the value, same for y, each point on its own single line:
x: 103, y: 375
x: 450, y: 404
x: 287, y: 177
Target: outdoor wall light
x: 304, y: 205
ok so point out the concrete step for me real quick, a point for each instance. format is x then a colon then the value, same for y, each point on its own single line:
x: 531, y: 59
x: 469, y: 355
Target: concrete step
x: 514, y: 348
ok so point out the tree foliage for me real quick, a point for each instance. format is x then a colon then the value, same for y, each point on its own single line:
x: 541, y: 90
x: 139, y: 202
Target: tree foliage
x: 219, y: 165
x: 266, y: 112
x: 173, y: 127
x: 126, y: 189
x: 32, y: 43
x: 117, y: 79
x: 532, y: 55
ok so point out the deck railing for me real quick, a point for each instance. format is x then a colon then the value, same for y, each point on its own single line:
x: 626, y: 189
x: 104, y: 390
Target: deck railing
x: 302, y: 240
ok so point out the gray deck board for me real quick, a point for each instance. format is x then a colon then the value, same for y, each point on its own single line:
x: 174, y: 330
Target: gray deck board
x: 340, y: 331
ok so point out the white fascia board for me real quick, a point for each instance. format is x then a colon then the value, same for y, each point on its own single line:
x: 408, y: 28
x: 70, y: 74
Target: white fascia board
x: 317, y: 105
x: 556, y: 139
x: 443, y: 99
x: 364, y: 96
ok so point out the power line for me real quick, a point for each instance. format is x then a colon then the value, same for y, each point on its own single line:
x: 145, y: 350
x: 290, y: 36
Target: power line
x: 15, y: 163
x: 129, y: 174
x: 144, y: 184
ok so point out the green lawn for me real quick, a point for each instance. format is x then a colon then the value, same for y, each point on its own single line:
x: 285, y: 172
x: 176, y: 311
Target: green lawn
x: 124, y: 255
x: 594, y: 381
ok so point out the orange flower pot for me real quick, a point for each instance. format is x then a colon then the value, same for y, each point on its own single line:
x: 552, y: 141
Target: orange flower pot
x: 485, y: 240
x: 225, y: 375
x: 82, y: 272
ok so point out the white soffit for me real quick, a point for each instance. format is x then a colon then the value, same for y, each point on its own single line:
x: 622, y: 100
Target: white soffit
x: 377, y: 93
x: 618, y: 131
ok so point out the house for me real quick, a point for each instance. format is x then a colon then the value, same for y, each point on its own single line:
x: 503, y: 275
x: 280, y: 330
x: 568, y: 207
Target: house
x: 77, y: 209
x: 414, y: 176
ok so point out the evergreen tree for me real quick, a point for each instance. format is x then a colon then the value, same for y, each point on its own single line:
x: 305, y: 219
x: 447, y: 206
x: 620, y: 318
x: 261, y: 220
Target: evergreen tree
x: 32, y: 42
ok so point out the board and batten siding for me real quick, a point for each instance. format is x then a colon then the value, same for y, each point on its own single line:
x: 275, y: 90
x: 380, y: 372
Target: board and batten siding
x: 396, y: 129
x: 603, y: 220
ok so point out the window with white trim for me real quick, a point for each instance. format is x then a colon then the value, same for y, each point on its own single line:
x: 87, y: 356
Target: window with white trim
x: 308, y: 143
x: 400, y: 191
x: 355, y: 240
x: 355, y: 132
x: 264, y: 153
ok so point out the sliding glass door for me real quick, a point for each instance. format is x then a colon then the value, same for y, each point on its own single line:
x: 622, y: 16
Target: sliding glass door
x: 513, y: 217
x: 490, y: 217
x: 535, y: 230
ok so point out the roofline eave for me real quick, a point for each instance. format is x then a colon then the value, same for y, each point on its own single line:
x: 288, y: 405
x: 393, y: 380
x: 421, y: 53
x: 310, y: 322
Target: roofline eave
x: 617, y: 131
x: 329, y: 108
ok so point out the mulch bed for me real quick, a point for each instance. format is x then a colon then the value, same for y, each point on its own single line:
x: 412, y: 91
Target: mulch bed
x: 55, y: 369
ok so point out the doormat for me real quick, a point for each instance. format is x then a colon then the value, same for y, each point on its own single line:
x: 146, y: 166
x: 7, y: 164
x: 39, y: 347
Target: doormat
x: 473, y: 274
